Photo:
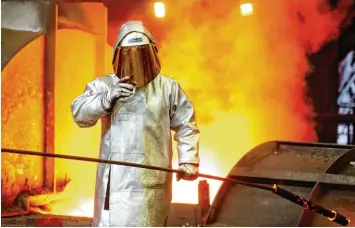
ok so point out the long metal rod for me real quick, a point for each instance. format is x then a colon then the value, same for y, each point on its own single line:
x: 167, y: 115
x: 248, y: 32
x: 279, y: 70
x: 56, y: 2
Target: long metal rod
x: 97, y: 160
x: 330, y: 214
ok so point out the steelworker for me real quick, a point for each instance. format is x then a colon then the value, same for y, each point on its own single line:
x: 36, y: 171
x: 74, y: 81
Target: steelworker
x: 138, y: 106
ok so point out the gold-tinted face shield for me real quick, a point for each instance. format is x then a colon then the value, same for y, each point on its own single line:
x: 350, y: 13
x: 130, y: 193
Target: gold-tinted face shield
x: 140, y: 61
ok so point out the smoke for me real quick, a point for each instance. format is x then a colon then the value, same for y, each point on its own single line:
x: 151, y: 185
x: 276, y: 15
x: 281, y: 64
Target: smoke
x: 244, y: 75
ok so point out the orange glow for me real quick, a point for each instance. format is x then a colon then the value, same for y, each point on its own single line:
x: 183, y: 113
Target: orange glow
x: 68, y: 202
x: 76, y: 67
x: 21, y: 94
x: 244, y: 75
x: 76, y: 64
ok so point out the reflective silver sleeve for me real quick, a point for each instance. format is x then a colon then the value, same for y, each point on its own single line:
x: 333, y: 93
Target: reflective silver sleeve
x: 182, y: 121
x: 93, y: 104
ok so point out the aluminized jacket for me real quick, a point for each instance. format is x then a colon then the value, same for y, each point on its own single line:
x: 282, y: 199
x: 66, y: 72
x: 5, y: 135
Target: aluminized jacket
x: 138, y: 130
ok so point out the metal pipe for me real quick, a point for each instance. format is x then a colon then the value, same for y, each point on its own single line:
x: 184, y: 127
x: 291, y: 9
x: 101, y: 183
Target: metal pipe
x: 330, y: 214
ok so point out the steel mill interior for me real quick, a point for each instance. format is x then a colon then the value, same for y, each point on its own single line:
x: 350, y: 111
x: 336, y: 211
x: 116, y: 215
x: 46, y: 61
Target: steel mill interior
x: 272, y: 84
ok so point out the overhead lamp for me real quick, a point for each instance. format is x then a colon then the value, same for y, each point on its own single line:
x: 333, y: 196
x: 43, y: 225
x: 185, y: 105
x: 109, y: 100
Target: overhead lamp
x: 159, y: 9
x: 246, y: 9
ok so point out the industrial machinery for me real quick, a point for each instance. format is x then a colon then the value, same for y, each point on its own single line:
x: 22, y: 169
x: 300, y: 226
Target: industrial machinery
x: 322, y: 173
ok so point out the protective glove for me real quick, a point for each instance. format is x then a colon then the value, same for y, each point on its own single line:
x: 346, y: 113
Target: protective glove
x: 189, y: 172
x: 120, y: 90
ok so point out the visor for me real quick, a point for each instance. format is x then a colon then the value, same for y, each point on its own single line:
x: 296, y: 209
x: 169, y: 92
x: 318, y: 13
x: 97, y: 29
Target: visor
x: 139, y: 61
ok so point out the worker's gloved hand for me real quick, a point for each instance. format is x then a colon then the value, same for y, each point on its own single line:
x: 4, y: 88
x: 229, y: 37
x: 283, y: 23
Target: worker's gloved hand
x: 189, y: 172
x: 120, y: 90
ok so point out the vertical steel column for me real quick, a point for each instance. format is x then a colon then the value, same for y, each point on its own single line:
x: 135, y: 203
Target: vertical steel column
x: 48, y: 98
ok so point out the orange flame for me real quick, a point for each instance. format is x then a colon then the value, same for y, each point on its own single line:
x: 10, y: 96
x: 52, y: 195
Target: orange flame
x: 244, y: 75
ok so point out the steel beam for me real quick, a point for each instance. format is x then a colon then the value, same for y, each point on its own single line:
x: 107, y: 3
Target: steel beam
x: 49, y: 91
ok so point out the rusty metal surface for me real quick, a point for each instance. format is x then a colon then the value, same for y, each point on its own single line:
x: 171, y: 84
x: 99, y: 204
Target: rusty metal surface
x: 297, y: 167
x: 340, y: 200
x: 292, y: 157
x: 330, y: 195
x: 255, y: 207
x: 274, y: 175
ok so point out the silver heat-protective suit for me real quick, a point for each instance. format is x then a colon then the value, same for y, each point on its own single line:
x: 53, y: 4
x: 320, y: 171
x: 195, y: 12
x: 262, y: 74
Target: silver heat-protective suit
x: 136, y: 127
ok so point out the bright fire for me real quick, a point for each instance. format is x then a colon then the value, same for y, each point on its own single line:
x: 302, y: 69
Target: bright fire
x: 244, y: 75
